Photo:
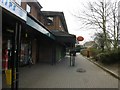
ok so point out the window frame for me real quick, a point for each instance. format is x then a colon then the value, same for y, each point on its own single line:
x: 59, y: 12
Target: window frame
x: 48, y: 19
x: 28, y: 6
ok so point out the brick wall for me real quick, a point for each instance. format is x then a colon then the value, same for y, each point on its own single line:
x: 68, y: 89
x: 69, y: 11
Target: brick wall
x: 34, y: 9
x: 56, y: 24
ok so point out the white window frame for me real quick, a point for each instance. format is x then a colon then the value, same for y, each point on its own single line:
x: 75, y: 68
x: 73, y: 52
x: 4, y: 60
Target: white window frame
x: 28, y: 8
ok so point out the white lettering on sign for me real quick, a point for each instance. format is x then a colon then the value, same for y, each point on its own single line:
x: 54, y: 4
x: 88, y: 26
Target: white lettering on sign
x: 11, y: 6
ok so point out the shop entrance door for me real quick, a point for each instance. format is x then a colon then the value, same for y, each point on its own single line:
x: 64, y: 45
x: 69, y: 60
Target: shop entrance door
x: 25, y: 54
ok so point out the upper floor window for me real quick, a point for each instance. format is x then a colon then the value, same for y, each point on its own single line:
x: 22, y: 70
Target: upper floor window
x: 28, y: 8
x: 49, y: 20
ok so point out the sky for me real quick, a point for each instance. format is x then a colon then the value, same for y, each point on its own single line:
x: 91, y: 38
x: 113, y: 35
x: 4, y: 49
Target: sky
x: 69, y: 7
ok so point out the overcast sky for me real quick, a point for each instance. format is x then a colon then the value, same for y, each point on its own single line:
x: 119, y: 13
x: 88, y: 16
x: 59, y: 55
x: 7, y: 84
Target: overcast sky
x: 69, y: 7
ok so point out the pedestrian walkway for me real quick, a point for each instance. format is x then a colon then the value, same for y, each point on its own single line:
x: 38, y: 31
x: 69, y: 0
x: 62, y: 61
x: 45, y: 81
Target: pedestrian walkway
x: 113, y: 69
x: 62, y: 75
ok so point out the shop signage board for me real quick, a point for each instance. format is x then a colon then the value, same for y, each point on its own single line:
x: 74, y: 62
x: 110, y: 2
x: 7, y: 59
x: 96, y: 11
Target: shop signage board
x: 80, y: 38
x: 11, y: 6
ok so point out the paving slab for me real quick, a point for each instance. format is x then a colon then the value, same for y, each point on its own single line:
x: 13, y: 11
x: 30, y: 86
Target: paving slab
x: 62, y: 75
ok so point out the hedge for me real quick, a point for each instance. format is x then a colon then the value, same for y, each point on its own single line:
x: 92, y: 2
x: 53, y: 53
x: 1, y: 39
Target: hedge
x: 109, y: 57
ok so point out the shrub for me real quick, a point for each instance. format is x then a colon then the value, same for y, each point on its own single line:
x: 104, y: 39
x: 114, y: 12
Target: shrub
x: 109, y: 57
x: 94, y: 52
x: 83, y: 52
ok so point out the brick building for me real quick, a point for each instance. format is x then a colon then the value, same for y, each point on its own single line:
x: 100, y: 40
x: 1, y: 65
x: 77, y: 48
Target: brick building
x: 56, y: 23
x: 27, y: 32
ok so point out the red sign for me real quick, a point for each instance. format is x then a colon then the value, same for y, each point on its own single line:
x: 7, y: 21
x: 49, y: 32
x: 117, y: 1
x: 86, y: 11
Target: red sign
x: 80, y: 38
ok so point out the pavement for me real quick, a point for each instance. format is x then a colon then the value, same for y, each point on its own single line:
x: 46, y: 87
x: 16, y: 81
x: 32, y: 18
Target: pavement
x: 113, y: 69
x: 85, y: 74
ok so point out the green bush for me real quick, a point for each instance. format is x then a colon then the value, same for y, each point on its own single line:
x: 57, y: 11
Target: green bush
x: 83, y: 52
x: 94, y: 52
x: 109, y: 57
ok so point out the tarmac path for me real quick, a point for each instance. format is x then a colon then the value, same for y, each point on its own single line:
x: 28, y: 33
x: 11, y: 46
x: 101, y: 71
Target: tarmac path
x: 62, y: 75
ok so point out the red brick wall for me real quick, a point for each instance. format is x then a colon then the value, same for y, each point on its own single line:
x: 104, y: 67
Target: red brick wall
x: 41, y: 18
x: 34, y: 9
x: 23, y: 5
x: 56, y: 24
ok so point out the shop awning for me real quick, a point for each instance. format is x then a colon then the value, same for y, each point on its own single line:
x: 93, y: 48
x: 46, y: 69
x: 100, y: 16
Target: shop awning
x: 32, y: 23
x: 64, y: 37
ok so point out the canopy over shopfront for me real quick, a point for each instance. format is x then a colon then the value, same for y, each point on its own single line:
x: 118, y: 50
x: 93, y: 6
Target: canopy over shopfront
x: 39, y: 27
x: 64, y: 37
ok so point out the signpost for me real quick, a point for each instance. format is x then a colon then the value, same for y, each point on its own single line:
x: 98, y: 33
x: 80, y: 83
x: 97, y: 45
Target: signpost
x: 80, y: 38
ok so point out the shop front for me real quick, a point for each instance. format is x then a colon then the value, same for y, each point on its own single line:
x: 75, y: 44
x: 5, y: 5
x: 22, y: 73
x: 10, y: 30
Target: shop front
x: 25, y: 39
x: 12, y: 19
x: 22, y: 37
x: 64, y: 41
x: 42, y: 41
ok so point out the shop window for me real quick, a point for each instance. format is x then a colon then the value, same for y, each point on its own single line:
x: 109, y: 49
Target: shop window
x: 49, y: 20
x: 28, y: 8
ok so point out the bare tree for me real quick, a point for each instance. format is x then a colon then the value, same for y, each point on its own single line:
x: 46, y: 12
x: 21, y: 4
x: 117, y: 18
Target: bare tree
x: 100, y: 41
x: 114, y: 25
x: 99, y: 15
